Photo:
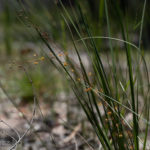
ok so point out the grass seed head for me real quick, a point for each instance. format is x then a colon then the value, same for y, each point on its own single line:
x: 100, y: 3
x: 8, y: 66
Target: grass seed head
x: 99, y: 104
x: 78, y: 79
x: 120, y: 135
x: 60, y: 54
x: 131, y: 147
x: 72, y: 70
x: 36, y: 62
x: 88, y: 89
x: 65, y: 64
x: 42, y: 58
x: 109, y: 113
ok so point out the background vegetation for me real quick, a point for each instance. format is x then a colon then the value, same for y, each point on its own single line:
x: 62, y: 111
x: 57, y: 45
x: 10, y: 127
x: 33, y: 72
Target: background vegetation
x: 91, y: 55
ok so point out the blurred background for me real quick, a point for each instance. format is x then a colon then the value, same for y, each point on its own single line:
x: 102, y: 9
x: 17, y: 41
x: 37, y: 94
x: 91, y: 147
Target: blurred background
x: 18, y: 39
x: 21, y: 50
x: 46, y: 14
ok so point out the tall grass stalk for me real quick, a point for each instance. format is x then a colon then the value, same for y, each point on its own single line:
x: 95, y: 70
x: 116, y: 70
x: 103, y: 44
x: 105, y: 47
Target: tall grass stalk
x: 113, y: 93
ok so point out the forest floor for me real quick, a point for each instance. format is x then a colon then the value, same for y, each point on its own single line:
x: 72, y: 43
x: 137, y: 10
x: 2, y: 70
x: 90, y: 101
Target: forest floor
x: 52, y: 122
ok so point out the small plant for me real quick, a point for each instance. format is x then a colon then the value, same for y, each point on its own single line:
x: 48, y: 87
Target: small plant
x: 106, y: 96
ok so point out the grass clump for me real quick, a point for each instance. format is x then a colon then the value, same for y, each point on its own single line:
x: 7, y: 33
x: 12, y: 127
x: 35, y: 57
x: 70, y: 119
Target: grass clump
x: 107, y: 96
